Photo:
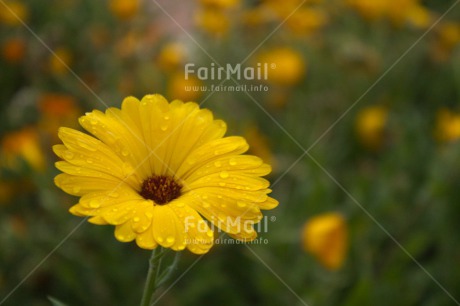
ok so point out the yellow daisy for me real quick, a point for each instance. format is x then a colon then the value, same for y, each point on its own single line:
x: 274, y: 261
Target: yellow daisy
x: 154, y: 169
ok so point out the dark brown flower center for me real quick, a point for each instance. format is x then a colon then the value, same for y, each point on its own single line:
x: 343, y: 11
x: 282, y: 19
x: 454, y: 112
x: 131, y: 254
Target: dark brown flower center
x: 161, y: 189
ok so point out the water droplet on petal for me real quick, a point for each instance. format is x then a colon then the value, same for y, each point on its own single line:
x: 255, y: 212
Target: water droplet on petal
x: 224, y: 174
x: 114, y: 194
x: 159, y: 239
x: 148, y: 214
x: 114, y: 209
x: 217, y: 164
x: 204, y: 196
x: 125, y: 152
x: 180, y: 204
x: 94, y: 204
x: 166, y: 117
x: 89, y: 161
x: 241, y: 204
x: 222, y: 184
x: 232, y: 162
x: 209, y: 233
x: 206, y: 205
x: 163, y: 127
x: 68, y: 155
x: 136, y: 219
x: 93, y: 121
x: 170, y: 240
x: 76, y: 189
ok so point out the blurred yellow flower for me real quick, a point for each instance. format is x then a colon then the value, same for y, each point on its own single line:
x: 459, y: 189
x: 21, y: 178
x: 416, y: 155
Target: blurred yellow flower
x: 124, y: 9
x: 419, y: 17
x: 16, y: 13
x: 153, y: 168
x: 370, y: 10
x: 182, y: 89
x: 326, y: 237
x: 399, y: 12
x: 447, y: 126
x: 60, y: 61
x: 171, y: 56
x: 22, y: 145
x: 213, y: 21
x: 13, y: 50
x: 222, y: 4
x: 306, y: 21
x: 288, y: 66
x: 370, y: 126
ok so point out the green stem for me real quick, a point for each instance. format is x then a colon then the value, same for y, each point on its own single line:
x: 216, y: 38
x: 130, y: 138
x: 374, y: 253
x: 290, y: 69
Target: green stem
x: 151, y: 281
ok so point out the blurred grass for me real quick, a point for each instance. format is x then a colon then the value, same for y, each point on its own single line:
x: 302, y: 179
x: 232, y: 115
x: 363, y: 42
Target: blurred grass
x: 399, y: 197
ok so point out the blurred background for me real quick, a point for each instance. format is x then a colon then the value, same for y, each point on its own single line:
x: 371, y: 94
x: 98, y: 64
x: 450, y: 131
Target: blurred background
x: 360, y: 118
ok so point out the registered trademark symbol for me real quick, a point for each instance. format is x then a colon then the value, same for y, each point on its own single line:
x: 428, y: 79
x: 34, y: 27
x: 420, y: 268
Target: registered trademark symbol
x: 272, y: 218
x: 273, y: 66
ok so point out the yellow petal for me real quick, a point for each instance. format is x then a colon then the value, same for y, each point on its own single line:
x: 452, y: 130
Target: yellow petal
x: 145, y: 240
x: 124, y: 232
x: 167, y: 230
x: 211, y: 151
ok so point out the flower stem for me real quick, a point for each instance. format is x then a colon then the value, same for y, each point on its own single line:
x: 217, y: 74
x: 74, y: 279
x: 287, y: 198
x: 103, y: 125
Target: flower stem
x: 151, y: 281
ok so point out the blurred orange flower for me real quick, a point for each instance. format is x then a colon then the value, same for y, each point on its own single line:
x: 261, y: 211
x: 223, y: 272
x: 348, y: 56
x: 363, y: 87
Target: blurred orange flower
x: 326, y: 237
x: 22, y: 145
x: 57, y: 110
x: 13, y: 50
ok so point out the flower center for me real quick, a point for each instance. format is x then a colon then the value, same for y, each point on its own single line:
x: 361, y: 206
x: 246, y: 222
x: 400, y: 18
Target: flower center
x: 161, y: 189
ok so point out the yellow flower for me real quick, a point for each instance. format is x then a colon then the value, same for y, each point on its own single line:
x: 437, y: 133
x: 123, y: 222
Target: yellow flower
x: 306, y: 21
x: 182, y: 89
x: 171, y: 56
x: 154, y: 169
x: 288, y: 66
x: 15, y: 14
x: 447, y: 126
x: 124, y: 9
x: 213, y: 21
x: 326, y: 237
x: 23, y: 144
x: 222, y: 4
x: 370, y: 10
x: 370, y: 126
x: 60, y: 60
